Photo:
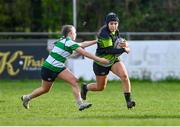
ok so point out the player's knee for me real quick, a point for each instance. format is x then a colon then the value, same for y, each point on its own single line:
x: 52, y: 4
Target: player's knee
x: 124, y: 77
x: 74, y: 81
x: 100, y: 88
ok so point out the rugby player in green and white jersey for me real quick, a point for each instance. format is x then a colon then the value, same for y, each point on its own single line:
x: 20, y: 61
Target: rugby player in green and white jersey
x: 54, y: 66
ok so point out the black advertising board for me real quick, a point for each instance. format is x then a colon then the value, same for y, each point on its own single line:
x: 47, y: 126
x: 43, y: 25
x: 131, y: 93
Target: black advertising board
x: 22, y: 59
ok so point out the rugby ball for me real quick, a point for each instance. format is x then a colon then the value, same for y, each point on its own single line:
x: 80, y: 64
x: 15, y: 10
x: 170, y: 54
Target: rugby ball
x: 120, y: 43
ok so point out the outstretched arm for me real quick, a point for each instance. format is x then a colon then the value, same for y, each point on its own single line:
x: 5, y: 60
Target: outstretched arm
x: 110, y: 50
x: 87, y: 43
x: 91, y: 56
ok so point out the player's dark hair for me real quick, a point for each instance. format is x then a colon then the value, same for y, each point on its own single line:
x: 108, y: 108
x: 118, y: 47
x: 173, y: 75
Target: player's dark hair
x: 66, y: 29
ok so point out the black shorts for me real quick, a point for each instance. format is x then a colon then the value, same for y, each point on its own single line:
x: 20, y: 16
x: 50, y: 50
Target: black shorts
x: 100, y: 70
x: 49, y: 75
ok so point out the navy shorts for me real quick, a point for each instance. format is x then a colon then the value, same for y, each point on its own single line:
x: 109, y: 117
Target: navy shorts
x: 49, y: 75
x: 100, y: 70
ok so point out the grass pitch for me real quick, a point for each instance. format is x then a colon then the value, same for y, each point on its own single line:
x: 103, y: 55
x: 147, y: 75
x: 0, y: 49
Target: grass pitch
x: 158, y: 103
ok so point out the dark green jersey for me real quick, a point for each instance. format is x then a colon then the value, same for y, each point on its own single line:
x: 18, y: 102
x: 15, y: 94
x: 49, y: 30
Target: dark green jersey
x: 105, y: 46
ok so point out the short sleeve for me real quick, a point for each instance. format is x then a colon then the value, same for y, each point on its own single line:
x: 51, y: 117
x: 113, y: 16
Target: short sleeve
x: 72, y: 44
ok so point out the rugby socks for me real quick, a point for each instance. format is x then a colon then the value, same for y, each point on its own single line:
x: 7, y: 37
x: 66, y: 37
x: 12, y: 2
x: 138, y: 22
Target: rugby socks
x: 85, y: 88
x: 79, y: 102
x: 127, y: 97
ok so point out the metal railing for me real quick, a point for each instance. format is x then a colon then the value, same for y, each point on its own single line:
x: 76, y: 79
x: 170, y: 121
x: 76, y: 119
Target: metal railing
x: 128, y: 35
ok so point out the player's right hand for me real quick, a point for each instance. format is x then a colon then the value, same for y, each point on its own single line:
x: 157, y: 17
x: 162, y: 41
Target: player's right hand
x: 127, y: 49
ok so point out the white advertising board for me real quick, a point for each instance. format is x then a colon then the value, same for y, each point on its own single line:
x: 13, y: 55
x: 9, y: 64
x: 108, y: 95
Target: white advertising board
x: 155, y: 60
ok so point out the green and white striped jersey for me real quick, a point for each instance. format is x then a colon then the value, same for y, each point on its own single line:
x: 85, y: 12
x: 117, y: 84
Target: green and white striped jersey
x: 57, y: 57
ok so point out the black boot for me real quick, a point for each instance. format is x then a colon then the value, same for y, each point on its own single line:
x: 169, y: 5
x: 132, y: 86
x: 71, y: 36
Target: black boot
x: 130, y: 103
